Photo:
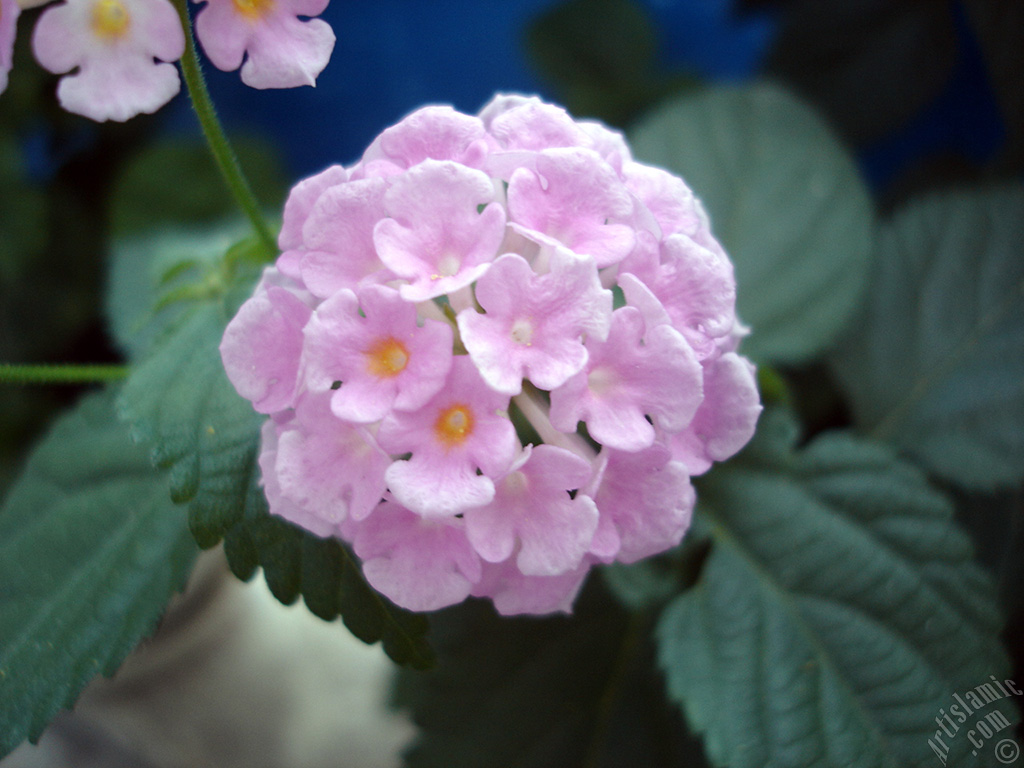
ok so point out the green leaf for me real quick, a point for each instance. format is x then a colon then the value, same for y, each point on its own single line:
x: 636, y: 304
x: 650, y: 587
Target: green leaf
x: 786, y: 202
x: 553, y: 692
x: 328, y: 577
x: 935, y: 364
x: 91, y: 550
x: 145, y: 268
x: 180, y: 401
x: 839, y: 612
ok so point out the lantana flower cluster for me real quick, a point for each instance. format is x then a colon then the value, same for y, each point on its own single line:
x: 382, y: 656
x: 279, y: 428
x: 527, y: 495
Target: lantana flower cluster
x: 119, y: 53
x: 493, y: 352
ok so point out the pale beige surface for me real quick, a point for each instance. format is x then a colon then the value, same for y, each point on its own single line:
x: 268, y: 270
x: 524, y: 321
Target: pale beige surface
x: 233, y: 678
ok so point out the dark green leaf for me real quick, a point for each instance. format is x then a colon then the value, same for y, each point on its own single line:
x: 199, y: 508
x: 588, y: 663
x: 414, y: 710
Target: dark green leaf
x: 785, y: 200
x: 91, y: 550
x: 180, y: 401
x: 326, y: 574
x: 935, y: 364
x: 839, y: 612
x: 554, y: 692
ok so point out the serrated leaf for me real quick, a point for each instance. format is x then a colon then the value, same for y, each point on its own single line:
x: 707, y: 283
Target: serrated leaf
x: 785, y: 200
x: 839, y: 612
x: 935, y: 363
x: 553, y: 692
x: 91, y: 550
x: 180, y: 401
x: 329, y: 579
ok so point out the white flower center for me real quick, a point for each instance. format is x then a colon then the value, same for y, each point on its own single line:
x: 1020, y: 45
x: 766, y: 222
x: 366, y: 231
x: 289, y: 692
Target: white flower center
x: 447, y: 266
x: 516, y: 483
x: 602, y: 380
x: 522, y: 332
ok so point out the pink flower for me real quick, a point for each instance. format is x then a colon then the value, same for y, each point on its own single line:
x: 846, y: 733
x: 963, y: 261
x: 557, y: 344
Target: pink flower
x: 628, y: 377
x: 431, y: 133
x: 726, y: 418
x: 279, y: 49
x: 337, y: 248
x: 326, y: 469
x: 533, y: 516
x: 457, y: 285
x: 461, y: 430
x: 420, y: 564
x: 373, y: 346
x: 694, y: 283
x: 262, y: 345
x: 534, y: 324
x: 576, y: 199
x: 113, y: 43
x: 666, y: 196
x: 646, y: 503
x: 513, y: 593
x: 443, y: 231
x: 9, y: 10
x: 301, y: 200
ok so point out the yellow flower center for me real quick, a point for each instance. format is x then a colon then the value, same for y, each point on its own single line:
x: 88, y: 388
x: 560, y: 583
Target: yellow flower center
x: 254, y: 9
x: 387, y: 358
x: 110, y: 19
x: 454, y: 425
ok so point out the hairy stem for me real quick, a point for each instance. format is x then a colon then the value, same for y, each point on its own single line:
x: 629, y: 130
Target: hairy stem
x: 216, y: 140
x: 11, y: 373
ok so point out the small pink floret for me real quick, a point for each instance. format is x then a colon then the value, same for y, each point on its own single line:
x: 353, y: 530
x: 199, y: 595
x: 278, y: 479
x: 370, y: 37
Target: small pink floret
x: 279, y: 49
x: 420, y: 564
x: 443, y: 229
x: 114, y: 44
x: 534, y: 325
x: 533, y: 515
x: 372, y: 345
x: 262, y: 345
x: 630, y: 376
x: 462, y: 429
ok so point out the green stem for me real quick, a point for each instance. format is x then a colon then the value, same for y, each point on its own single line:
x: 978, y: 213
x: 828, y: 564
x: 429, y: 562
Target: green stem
x: 11, y: 373
x: 217, y: 141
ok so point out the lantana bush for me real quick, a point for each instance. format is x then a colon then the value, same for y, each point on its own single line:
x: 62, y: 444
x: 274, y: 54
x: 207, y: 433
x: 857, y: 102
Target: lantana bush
x: 488, y: 394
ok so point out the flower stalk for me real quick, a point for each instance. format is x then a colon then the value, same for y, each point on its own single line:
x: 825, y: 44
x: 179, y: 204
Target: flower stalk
x: 13, y: 373
x: 216, y: 140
